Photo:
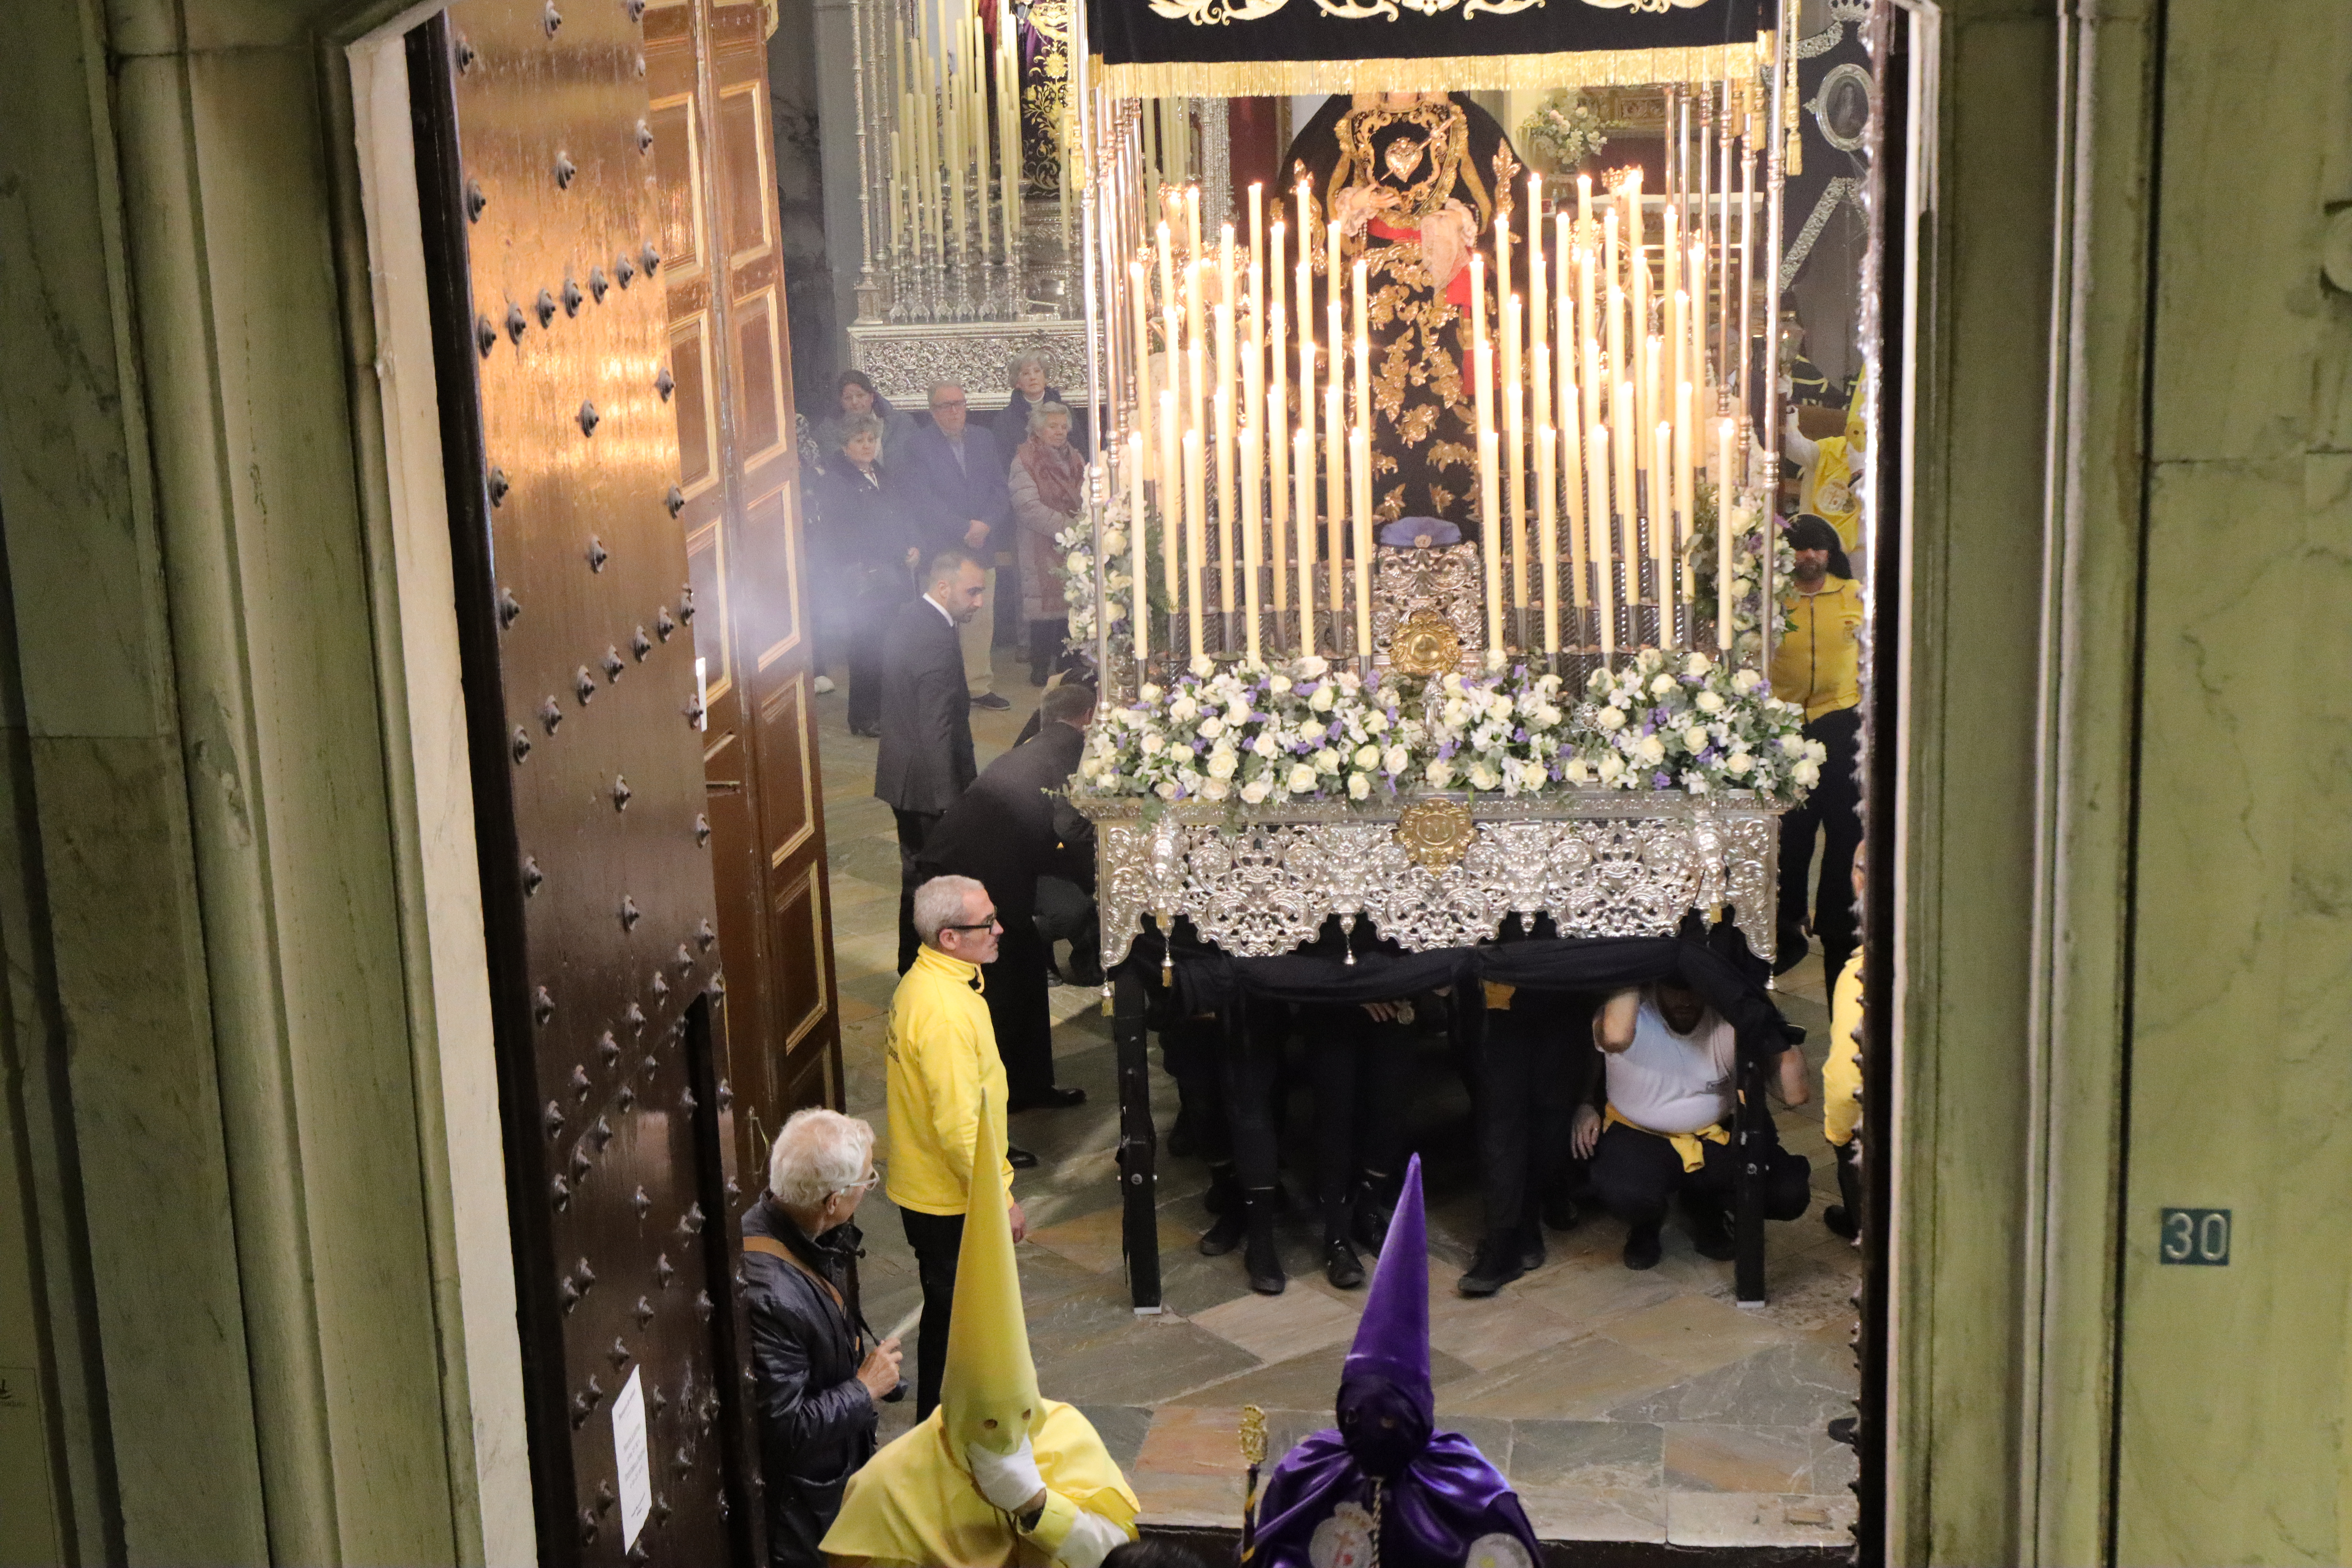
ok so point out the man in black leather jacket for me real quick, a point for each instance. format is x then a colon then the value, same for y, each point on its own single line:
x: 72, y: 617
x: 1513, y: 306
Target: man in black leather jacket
x: 820, y: 1375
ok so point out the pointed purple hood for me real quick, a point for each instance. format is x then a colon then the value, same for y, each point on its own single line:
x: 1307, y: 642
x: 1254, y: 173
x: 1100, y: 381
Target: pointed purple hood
x: 1392, y: 1341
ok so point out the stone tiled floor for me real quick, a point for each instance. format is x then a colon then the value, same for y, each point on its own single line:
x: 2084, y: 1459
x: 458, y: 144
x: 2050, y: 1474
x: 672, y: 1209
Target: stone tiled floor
x: 1622, y: 1407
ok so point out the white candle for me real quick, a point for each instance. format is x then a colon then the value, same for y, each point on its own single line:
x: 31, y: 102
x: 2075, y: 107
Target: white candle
x: 1196, y: 535
x: 1603, y: 575
x: 1336, y: 490
x: 1277, y: 450
x: 1171, y: 491
x: 1227, y: 554
x: 1726, y: 437
x: 1361, y: 462
x: 1490, y: 521
x: 1139, y: 601
x: 1573, y: 490
x: 1628, y: 503
x: 1662, y: 531
x: 1302, y: 478
x: 1546, y: 521
x: 1515, y: 500
x: 1685, y: 491
x: 1139, y: 311
x: 1252, y: 474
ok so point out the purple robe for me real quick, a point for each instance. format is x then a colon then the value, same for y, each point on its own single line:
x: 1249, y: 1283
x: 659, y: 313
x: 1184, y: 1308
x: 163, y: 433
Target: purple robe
x: 1446, y: 1501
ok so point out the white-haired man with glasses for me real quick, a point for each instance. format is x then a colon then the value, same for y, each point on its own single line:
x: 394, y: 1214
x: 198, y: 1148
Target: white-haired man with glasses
x: 945, y: 1081
x: 820, y: 1372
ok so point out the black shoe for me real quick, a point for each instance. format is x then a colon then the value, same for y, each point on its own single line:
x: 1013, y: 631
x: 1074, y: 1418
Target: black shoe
x: 1559, y: 1211
x: 1020, y: 1159
x: 1794, y: 948
x: 1090, y: 976
x: 1532, y: 1247
x: 1260, y: 1260
x: 1036, y: 676
x: 1373, y: 1212
x: 1845, y: 1429
x: 1710, y: 1236
x: 1046, y: 1099
x: 1341, y: 1266
x: 991, y: 702
x: 870, y: 732
x: 1180, y: 1142
x: 1226, y: 1233
x: 1496, y: 1265
x: 1224, y: 1194
x: 1642, y: 1248
x: 1845, y: 1218
x: 1841, y: 1221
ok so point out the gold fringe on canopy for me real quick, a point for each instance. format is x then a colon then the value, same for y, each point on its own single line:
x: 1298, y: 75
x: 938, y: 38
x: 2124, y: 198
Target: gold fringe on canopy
x: 1434, y: 73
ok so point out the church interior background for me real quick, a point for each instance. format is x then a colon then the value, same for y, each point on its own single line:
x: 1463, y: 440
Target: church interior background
x: 1425, y: 382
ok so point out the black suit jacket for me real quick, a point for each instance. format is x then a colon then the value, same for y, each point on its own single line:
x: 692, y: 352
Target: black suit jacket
x: 925, y: 760
x: 1016, y: 824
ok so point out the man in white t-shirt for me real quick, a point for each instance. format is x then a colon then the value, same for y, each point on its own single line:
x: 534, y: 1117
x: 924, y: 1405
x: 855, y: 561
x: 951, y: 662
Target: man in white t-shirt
x: 1671, y: 1073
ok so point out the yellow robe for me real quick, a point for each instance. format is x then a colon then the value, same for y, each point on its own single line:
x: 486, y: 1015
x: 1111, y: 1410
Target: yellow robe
x: 1828, y: 492
x: 1842, y: 1073
x: 914, y: 1505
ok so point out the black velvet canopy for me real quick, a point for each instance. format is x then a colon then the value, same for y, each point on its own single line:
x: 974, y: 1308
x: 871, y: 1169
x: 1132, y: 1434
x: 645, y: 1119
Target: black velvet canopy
x: 1717, y: 964
x: 1171, y: 47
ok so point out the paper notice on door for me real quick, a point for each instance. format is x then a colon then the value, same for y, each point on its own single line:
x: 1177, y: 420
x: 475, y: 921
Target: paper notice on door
x: 630, y: 1456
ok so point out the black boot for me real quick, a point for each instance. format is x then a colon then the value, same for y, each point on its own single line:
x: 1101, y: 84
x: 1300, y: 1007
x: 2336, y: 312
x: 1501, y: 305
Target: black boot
x: 1223, y: 1199
x: 1375, y: 1206
x: 1341, y: 1266
x: 1260, y: 1262
x: 1180, y: 1142
x: 1642, y: 1250
x: 1499, y: 1261
x: 1710, y: 1230
x: 1845, y: 1218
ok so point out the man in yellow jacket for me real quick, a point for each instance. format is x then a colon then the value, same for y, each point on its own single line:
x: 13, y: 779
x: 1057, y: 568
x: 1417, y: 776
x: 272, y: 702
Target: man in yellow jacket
x: 945, y: 1090
x: 1817, y: 664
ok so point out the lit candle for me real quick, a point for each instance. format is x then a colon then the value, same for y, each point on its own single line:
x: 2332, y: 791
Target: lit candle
x: 1685, y: 488
x: 1167, y: 281
x: 1603, y: 576
x: 1252, y: 521
x: 1619, y: 367
x: 1196, y: 535
x: 1302, y: 479
x: 1584, y: 199
x: 1571, y: 471
x: 1361, y: 462
x: 1628, y: 502
x: 1662, y: 531
x: 1256, y: 244
x: 1137, y: 277
x: 1196, y: 389
x: 1502, y: 256
x: 1535, y: 330
x: 1278, y: 424
x: 1172, y: 490
x: 1588, y: 329
x: 1563, y: 262
x: 1227, y: 554
x: 1139, y: 600
x: 1546, y: 521
x: 1478, y: 299
x: 1192, y: 222
x: 1335, y: 486
x: 1726, y: 436
x: 1489, y: 520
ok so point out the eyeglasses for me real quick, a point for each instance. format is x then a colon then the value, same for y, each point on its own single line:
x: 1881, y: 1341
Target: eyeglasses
x: 936, y: 407
x: 872, y: 1176
x: 990, y: 924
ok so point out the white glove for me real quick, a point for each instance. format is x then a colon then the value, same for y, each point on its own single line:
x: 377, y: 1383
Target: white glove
x: 1092, y: 1538
x: 1007, y: 1480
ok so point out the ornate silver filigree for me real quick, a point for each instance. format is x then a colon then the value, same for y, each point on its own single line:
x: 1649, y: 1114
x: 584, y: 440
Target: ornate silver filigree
x: 1600, y: 863
x: 904, y: 360
x: 1444, y: 582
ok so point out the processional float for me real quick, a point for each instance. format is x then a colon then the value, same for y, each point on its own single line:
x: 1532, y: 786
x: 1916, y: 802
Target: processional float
x: 1530, y: 689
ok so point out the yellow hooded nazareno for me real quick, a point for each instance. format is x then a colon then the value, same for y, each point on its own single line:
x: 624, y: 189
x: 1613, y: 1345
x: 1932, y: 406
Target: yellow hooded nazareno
x: 915, y: 1502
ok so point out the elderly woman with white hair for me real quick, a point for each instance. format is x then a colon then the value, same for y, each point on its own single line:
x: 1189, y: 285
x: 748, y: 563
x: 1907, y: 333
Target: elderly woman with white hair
x: 820, y: 1373
x: 1048, y: 488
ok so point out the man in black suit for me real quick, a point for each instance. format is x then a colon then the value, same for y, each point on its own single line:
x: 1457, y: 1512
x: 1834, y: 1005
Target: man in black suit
x: 955, y: 473
x: 925, y: 760
x: 1013, y: 826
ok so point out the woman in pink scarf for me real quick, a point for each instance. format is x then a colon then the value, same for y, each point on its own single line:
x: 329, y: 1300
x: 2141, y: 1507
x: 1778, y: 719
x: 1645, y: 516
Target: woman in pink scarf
x: 1047, y: 483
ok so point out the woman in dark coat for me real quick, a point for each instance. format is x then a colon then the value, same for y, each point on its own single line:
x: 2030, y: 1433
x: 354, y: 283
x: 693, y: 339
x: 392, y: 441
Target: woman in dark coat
x: 856, y: 393
x: 869, y: 542
x: 1029, y: 390
x: 820, y: 1375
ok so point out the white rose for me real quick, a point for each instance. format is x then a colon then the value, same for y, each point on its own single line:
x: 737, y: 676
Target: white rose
x: 1201, y: 664
x: 1612, y: 718
x: 1279, y: 684
x: 1661, y: 685
x: 1090, y: 767
x: 1326, y: 761
x: 1612, y: 768
x: 1597, y: 682
x: 1165, y: 789
x: 1793, y: 744
x: 1456, y: 711
x: 1498, y: 705
x: 1697, y: 664
x: 1302, y: 778
x: 1709, y: 702
x: 1256, y: 790
x: 1184, y: 708
x: 1149, y: 693
x: 1651, y: 749
x: 1394, y: 759
x: 1113, y: 542
x: 1311, y: 668
x: 1806, y: 773
x: 1696, y: 783
x: 1214, y: 787
x: 1368, y: 756
x: 1485, y: 777
x: 1576, y: 772
x: 1533, y: 775
x: 1079, y: 563
x: 1545, y: 716
x: 1377, y: 722
x: 1211, y: 727
x: 1744, y: 681
x: 1694, y: 738
x: 1358, y: 787
x: 1740, y: 764
x: 1222, y: 763
x: 1323, y: 698
x: 1153, y: 742
x: 1496, y: 659
x: 1266, y: 745
x: 1440, y: 773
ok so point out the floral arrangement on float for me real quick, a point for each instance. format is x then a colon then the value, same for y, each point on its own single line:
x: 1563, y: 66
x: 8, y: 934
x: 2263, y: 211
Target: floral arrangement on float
x: 1704, y: 558
x: 1302, y: 730
x: 1563, y: 131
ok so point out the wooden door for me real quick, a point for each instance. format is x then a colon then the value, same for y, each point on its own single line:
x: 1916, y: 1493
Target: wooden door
x: 740, y: 485
x: 580, y: 630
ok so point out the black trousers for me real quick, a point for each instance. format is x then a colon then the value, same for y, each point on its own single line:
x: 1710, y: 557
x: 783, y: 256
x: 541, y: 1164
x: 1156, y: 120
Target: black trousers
x: 914, y: 828
x: 1635, y: 1172
x: 1192, y: 1050
x: 1015, y: 988
x: 1247, y: 1063
x: 860, y: 632
x: 1066, y: 913
x: 1529, y: 1075
x: 936, y: 1238
x: 1835, y: 808
x: 1357, y: 1068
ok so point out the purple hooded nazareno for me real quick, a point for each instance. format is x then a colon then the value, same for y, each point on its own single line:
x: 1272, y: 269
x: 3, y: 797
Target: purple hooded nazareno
x: 1437, y: 1502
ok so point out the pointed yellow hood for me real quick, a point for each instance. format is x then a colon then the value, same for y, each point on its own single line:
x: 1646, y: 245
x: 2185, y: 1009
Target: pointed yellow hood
x: 990, y: 1376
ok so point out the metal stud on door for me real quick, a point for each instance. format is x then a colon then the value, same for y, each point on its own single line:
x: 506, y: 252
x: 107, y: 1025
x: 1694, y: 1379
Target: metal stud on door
x: 588, y: 790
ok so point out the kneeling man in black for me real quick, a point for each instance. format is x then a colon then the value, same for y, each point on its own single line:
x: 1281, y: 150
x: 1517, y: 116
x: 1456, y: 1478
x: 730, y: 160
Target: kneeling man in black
x: 1672, y: 1082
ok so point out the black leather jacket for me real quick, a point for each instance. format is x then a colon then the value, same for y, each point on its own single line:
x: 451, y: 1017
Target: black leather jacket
x: 817, y: 1420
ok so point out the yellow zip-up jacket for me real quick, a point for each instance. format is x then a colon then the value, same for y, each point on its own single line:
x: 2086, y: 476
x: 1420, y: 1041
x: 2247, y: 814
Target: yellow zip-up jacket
x: 1818, y: 662
x: 1842, y: 1073
x: 940, y: 1066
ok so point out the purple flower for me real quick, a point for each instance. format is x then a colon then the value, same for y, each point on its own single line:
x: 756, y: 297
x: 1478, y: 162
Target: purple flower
x: 1520, y: 735
x: 1663, y: 780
